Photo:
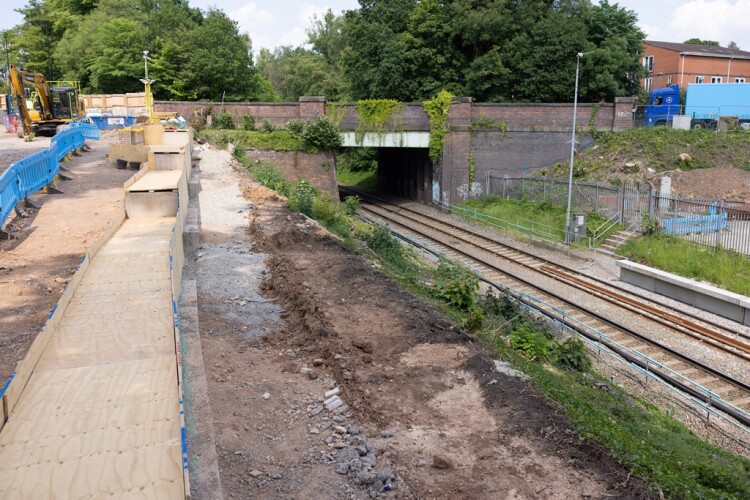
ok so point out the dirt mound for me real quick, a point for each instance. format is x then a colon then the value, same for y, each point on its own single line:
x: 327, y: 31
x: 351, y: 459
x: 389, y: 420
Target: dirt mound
x: 721, y: 183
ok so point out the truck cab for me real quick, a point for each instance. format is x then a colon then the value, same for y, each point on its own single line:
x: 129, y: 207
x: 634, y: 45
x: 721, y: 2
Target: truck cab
x: 663, y: 105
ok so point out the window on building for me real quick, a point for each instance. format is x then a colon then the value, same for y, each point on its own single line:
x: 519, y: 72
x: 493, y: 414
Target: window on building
x: 669, y: 80
x: 699, y: 79
x: 648, y: 63
x: 739, y: 80
x: 647, y: 84
x: 716, y: 79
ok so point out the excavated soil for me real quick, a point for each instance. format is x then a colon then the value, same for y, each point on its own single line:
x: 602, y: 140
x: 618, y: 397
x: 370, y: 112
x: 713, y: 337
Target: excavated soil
x: 428, y: 415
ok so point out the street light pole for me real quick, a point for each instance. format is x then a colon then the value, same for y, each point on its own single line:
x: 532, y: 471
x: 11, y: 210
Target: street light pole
x: 572, y: 152
x: 572, y: 149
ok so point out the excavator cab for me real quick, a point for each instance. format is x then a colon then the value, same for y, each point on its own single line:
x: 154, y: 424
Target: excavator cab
x: 64, y: 102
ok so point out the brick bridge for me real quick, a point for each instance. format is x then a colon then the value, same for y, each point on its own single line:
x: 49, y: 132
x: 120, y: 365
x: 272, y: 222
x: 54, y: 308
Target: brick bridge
x: 510, y: 139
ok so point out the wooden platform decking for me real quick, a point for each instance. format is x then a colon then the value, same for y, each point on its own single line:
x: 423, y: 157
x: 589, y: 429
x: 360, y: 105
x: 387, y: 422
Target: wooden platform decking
x: 101, y: 413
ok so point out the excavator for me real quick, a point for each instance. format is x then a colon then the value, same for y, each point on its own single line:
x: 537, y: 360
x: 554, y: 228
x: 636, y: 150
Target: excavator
x: 50, y: 106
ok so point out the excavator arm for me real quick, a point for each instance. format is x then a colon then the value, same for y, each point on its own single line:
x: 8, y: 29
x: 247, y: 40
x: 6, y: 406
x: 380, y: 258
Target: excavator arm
x: 69, y: 106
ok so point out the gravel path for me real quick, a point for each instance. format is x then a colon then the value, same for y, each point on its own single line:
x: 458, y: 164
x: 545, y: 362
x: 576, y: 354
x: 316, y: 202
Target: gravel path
x: 226, y: 267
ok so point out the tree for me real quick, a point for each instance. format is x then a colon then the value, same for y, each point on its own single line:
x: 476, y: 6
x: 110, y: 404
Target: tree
x: 218, y: 63
x: 733, y: 45
x: 118, y: 59
x: 698, y: 41
x: 294, y: 72
x: 491, y: 50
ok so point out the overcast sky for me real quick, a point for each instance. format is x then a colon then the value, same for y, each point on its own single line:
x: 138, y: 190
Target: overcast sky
x: 283, y: 22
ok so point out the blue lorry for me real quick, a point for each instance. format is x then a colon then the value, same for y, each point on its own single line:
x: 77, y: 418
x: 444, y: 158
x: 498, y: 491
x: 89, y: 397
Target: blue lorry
x: 705, y: 103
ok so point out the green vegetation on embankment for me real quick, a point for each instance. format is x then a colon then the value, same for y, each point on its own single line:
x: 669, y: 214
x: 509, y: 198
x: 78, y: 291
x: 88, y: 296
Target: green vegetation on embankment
x: 652, y: 444
x: 658, y: 148
x: 724, y: 269
x: 275, y: 140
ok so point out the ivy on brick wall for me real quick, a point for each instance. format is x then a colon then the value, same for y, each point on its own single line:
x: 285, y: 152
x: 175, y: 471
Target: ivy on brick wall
x: 373, y: 114
x: 437, y: 111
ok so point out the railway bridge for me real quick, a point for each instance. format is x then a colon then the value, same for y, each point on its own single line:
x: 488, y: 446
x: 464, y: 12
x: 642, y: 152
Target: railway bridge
x: 507, y: 138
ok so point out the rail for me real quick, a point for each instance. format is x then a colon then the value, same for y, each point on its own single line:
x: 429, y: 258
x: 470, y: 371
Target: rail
x: 40, y: 169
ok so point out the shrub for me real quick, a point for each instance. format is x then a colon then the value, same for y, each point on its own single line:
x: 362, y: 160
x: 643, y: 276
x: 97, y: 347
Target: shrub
x: 267, y: 127
x: 456, y: 285
x: 321, y: 133
x: 351, y: 205
x: 532, y: 344
x: 223, y: 120
x: 248, y: 122
x: 296, y: 126
x: 384, y: 244
x: 571, y: 353
x: 271, y: 177
x: 302, y: 197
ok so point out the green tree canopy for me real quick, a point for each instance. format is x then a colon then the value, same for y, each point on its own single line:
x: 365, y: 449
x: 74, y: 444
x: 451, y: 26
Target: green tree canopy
x: 492, y: 50
x: 698, y: 41
x: 194, y: 55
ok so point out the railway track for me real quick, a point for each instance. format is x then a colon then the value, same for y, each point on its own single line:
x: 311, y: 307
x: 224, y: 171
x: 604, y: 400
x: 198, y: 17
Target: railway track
x: 706, y: 383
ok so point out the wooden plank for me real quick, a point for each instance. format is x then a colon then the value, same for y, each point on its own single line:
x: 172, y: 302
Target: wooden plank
x: 114, y: 298
x: 156, y: 204
x: 53, y: 424
x: 123, y: 286
x: 69, y: 351
x: 89, y: 388
x: 162, y: 180
x: 149, y: 472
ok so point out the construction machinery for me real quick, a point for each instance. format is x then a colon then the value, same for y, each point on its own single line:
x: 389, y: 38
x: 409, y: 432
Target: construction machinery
x: 43, y: 107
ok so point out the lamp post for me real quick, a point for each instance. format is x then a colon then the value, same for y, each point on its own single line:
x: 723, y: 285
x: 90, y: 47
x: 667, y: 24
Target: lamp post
x: 147, y: 83
x: 572, y: 149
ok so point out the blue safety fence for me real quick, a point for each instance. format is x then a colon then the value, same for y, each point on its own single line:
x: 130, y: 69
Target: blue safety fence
x: 32, y: 173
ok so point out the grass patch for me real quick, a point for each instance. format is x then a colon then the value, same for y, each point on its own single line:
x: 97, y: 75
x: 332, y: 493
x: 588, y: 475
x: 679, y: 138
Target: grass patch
x: 725, y: 269
x: 364, y: 180
x: 643, y: 438
x: 658, y: 147
x: 276, y: 140
x: 539, y: 219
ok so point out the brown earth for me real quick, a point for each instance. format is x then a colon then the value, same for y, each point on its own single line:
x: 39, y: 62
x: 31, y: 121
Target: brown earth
x: 720, y: 183
x: 424, y: 397
x: 35, y: 267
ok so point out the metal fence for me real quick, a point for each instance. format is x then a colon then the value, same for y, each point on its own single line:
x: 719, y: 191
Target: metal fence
x: 713, y: 223
x: 38, y: 170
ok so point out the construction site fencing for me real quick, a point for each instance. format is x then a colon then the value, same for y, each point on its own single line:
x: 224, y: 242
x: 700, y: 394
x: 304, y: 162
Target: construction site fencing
x: 40, y: 169
x: 709, y: 222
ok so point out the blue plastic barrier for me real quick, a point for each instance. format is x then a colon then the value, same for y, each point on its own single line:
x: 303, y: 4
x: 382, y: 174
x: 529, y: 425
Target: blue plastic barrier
x: 112, y: 122
x: 9, y: 194
x: 32, y: 173
x: 697, y: 224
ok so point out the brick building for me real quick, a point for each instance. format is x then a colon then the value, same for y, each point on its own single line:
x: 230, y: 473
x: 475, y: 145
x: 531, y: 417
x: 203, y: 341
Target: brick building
x: 668, y: 63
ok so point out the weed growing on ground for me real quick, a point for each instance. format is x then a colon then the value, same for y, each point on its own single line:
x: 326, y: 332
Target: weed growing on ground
x: 723, y: 268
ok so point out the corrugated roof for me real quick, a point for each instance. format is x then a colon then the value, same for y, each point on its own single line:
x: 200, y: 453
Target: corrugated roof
x: 701, y: 50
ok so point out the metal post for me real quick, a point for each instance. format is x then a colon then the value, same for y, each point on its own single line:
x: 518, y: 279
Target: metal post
x: 487, y: 184
x: 572, y: 152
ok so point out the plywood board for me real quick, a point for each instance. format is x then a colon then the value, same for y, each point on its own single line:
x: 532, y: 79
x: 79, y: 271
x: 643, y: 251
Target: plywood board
x: 82, y: 350
x: 161, y: 180
x: 150, y: 472
x: 158, y: 204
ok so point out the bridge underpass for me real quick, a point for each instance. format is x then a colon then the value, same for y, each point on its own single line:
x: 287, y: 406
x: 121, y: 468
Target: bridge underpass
x: 404, y: 165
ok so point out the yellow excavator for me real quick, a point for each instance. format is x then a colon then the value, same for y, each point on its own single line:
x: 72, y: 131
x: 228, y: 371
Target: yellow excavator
x: 50, y: 106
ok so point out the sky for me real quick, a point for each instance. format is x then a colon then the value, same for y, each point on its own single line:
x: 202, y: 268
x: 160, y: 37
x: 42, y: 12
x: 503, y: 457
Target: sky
x: 283, y: 22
